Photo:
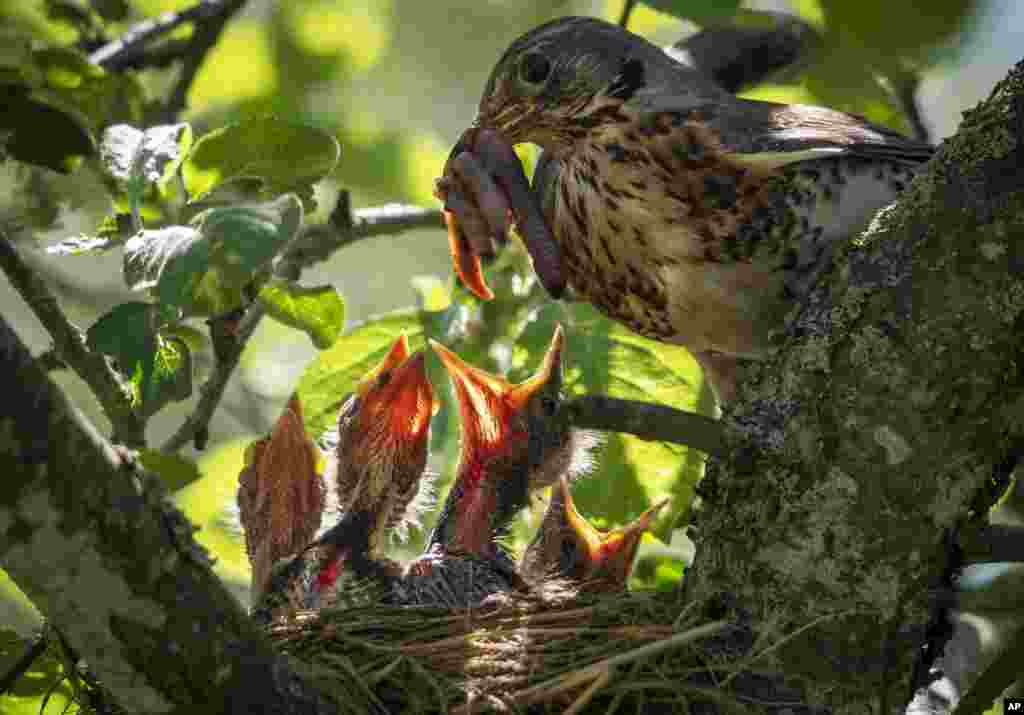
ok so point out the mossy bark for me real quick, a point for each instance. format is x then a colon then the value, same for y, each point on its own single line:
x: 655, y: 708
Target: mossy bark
x: 897, y: 391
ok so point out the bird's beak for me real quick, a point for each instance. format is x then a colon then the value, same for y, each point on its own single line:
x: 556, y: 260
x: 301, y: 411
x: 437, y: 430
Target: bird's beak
x: 406, y: 400
x: 398, y: 354
x: 550, y: 368
x: 608, y: 556
x: 487, y: 402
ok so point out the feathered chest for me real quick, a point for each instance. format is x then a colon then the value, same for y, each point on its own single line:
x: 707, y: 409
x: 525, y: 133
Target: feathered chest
x: 649, y: 215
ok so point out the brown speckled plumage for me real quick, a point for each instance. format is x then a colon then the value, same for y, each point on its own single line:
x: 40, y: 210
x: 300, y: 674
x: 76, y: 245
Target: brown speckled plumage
x: 686, y: 213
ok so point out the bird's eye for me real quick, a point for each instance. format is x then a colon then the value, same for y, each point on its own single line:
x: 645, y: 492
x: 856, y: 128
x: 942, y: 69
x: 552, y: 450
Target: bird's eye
x: 549, y: 405
x: 534, y: 68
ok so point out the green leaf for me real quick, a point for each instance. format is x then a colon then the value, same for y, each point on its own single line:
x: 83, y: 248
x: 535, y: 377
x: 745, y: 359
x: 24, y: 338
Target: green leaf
x: 147, y: 254
x: 159, y: 368
x: 283, y: 156
x: 336, y: 371
x: 701, y: 12
x: 139, y: 159
x: 318, y: 311
x: 40, y: 134
x: 127, y: 333
x: 431, y: 293
x: 47, y: 672
x: 174, y: 470
x: 152, y: 156
x: 74, y: 84
x: 170, y: 380
x: 210, y: 268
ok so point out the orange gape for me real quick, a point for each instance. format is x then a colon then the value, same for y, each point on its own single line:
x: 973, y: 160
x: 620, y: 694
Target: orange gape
x: 375, y: 468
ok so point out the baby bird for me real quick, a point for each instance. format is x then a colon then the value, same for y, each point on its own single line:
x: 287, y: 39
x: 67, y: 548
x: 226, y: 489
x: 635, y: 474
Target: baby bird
x: 568, y: 546
x: 375, y: 468
x: 514, y: 442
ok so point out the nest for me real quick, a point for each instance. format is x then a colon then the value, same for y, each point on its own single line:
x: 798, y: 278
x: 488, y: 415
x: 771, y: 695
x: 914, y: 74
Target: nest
x: 550, y: 650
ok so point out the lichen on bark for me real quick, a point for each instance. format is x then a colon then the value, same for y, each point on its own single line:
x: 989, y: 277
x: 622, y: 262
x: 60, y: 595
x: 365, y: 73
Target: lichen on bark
x: 882, y: 416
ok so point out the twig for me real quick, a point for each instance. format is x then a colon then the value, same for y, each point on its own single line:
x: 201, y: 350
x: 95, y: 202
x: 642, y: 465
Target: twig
x: 906, y: 93
x: 554, y: 686
x: 783, y: 641
x: 627, y: 10
x: 390, y: 219
x: 21, y: 666
x: 648, y: 421
x: 320, y: 241
x: 203, y: 38
x: 581, y: 702
x: 127, y: 49
x: 69, y: 345
x: 986, y: 543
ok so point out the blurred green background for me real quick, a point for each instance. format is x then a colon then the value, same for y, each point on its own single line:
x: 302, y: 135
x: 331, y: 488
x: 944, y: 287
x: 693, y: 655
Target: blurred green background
x: 396, y: 82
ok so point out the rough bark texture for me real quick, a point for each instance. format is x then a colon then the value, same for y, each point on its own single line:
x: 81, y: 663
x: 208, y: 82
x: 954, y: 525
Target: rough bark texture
x: 899, y: 387
x: 91, y: 541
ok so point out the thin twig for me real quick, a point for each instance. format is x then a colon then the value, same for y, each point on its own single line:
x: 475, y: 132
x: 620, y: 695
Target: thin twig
x: 127, y: 48
x: 783, y: 641
x: 627, y: 10
x: 554, y: 686
x: 906, y: 93
x: 21, y: 666
x: 581, y: 702
x: 648, y: 421
x: 203, y: 39
x: 129, y: 427
x: 391, y: 219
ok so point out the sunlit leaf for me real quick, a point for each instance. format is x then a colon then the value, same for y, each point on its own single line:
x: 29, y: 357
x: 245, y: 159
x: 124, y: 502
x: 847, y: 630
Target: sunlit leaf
x: 318, y: 310
x: 47, y: 672
x: 336, y: 371
x: 698, y: 11
x: 431, y: 293
x: 152, y: 155
x: 283, y: 156
x: 174, y: 470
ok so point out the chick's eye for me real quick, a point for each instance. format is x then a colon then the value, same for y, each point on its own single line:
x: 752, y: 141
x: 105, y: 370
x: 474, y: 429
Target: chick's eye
x: 534, y: 68
x: 548, y: 405
x: 384, y: 378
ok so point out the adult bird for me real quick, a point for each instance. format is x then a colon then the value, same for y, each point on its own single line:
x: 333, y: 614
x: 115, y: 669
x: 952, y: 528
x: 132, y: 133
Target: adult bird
x: 514, y: 441
x: 375, y: 473
x: 690, y: 215
x: 568, y: 546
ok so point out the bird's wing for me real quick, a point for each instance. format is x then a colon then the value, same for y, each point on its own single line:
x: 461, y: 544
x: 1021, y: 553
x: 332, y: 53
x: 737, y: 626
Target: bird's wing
x: 771, y: 135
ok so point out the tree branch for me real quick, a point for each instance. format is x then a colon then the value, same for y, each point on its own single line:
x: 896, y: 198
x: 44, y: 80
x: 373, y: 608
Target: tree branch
x: 69, y: 346
x: 128, y: 49
x: 648, y: 421
x: 627, y: 10
x: 92, y: 540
